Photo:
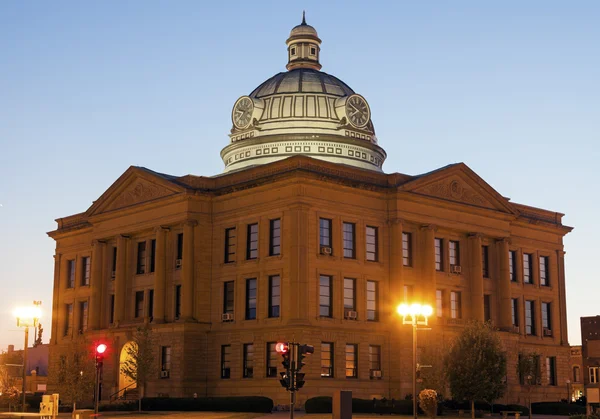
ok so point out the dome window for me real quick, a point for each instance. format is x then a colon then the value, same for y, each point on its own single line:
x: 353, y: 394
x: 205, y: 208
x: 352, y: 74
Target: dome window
x: 293, y: 50
x: 313, y: 51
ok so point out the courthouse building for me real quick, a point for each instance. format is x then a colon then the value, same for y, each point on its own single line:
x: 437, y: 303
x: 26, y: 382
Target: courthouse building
x: 304, y: 237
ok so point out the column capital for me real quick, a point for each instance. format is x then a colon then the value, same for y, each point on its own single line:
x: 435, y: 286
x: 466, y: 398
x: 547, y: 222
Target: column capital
x: 394, y: 221
x: 190, y: 223
x: 429, y: 227
x: 161, y: 229
x: 506, y: 240
x: 475, y: 236
x: 97, y: 242
x: 561, y: 253
x: 123, y: 236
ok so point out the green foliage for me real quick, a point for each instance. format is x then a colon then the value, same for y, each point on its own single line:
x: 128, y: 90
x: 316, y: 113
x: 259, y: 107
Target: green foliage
x: 428, y: 402
x: 556, y: 408
x: 528, y: 368
x: 434, y: 378
x: 140, y: 364
x: 77, y: 374
x: 476, y: 364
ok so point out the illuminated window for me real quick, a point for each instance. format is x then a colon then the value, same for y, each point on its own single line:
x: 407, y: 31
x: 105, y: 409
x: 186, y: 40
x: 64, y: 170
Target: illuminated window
x: 327, y: 359
x: 351, y: 360
x: 455, y: 305
x: 439, y: 255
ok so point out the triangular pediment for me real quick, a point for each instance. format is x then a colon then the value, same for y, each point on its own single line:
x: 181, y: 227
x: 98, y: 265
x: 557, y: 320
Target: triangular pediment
x: 135, y: 186
x: 458, y: 183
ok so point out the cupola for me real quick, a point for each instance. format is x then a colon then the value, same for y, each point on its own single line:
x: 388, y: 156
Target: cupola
x: 304, y: 47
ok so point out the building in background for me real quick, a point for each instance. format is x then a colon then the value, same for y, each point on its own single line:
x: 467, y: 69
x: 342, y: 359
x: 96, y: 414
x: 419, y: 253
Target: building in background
x: 304, y: 237
x: 590, y: 350
x: 37, y: 367
x: 575, y: 383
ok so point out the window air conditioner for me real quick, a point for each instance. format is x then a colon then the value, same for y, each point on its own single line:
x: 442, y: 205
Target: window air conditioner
x: 164, y: 374
x: 227, y: 317
x: 177, y: 263
x: 547, y: 332
x: 455, y: 269
x: 325, y: 250
x: 375, y: 373
x: 351, y: 315
x: 515, y: 329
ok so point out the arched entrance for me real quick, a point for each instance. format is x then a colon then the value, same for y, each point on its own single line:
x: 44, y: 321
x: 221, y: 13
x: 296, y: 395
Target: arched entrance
x: 124, y: 381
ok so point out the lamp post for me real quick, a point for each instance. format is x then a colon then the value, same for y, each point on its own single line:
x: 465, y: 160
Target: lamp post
x: 569, y: 395
x: 415, y: 315
x: 100, y: 349
x: 27, y: 317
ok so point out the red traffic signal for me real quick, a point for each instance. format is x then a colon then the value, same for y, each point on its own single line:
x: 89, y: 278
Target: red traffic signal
x: 101, y: 348
x: 282, y: 347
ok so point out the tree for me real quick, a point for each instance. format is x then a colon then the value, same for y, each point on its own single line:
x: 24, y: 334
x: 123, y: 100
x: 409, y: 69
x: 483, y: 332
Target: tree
x: 77, y: 374
x: 528, y: 369
x: 38, y: 339
x: 476, y: 365
x: 434, y: 377
x: 140, y: 363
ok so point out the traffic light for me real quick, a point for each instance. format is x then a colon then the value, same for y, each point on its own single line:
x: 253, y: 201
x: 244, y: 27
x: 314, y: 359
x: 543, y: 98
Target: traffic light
x: 283, y: 348
x: 285, y: 380
x: 299, y: 381
x: 301, y: 352
x: 100, y: 349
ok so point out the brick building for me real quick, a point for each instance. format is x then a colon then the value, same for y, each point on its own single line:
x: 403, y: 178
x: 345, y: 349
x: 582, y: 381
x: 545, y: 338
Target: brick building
x: 590, y: 351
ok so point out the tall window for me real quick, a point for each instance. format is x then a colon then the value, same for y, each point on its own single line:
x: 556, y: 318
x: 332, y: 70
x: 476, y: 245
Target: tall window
x: 455, y: 305
x: 439, y: 254
x: 487, y: 310
x: 114, y: 262
x: 454, y: 252
x: 151, y: 304
x: 512, y: 257
x: 228, y: 293
x: 230, y: 245
x: 139, y: 304
x: 576, y: 374
x: 325, y: 294
x: 439, y: 303
x: 272, y: 359
x: 165, y: 358
x: 372, y: 244
x: 225, y: 361
x: 177, y: 301
x: 372, y: 291
x: 514, y: 310
x: 351, y: 360
x: 407, y: 249
x: 529, y: 317
x: 544, y: 277
x: 180, y: 246
x: 527, y: 268
x: 485, y: 261
x: 252, y: 241
x: 85, y: 271
x: 275, y: 237
x: 141, y: 258
x: 83, y: 316
x: 349, y: 239
x: 551, y: 370
x: 349, y: 295
x: 68, y: 319
x: 374, y: 358
x: 71, y: 273
x: 152, y: 255
x: 325, y: 232
x: 593, y: 374
x: 326, y: 359
x: 546, y: 316
x: 111, y: 318
x: 248, y: 360
x: 274, y: 295
x: 251, y: 299
x: 408, y: 293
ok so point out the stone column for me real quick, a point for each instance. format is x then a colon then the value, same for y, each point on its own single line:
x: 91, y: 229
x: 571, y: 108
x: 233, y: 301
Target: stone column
x: 396, y: 282
x: 96, y: 284
x: 299, y: 284
x: 121, y: 278
x: 427, y: 268
x: 56, y: 312
x: 562, y: 300
x: 476, y: 276
x: 187, y: 271
x: 160, y: 274
x: 505, y: 315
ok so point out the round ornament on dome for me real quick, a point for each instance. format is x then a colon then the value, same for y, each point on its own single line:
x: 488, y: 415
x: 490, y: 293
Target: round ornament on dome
x: 245, y: 111
x: 355, y: 109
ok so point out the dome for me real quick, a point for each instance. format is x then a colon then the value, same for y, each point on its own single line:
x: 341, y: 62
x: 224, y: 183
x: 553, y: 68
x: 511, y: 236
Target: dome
x: 302, y: 80
x: 303, y: 30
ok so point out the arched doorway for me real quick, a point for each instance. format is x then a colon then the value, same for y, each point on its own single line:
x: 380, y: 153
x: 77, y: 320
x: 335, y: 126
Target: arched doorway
x: 124, y: 381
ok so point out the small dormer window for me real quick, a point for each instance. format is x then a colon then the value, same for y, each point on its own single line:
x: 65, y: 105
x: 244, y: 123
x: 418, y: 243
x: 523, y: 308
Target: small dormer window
x: 293, y: 50
x: 313, y: 51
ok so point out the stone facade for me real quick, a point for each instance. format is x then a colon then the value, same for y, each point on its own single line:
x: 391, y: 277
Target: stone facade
x: 590, y: 351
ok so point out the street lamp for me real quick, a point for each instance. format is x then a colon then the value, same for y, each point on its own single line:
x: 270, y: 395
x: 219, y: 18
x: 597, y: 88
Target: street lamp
x: 569, y: 395
x: 415, y: 315
x: 100, y: 349
x: 27, y: 317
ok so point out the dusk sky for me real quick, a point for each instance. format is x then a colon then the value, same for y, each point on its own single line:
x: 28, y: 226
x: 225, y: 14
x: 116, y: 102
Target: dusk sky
x: 88, y: 89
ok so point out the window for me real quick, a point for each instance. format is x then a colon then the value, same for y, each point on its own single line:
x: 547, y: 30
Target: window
x: 111, y: 318
x: 251, y: 299
x: 529, y: 317
x: 487, y: 310
x: 372, y: 243
x: 165, y: 358
x: 527, y: 268
x: 313, y: 51
x: 349, y: 295
x: 252, y: 242
x: 248, y: 360
x: 455, y: 305
x: 372, y: 294
x: 551, y: 370
x: 546, y: 317
x: 152, y: 255
x: 325, y: 296
x: 177, y: 301
x: 272, y: 359
x: 151, y: 304
x: 351, y: 360
x: 180, y: 246
x: 71, y: 273
x: 326, y: 359
x: 408, y: 292
x: 139, y: 304
x: 593, y: 372
x: 439, y: 303
x: 325, y: 232
x: 576, y: 374
x: 114, y: 262
x: 141, y: 258
x: 514, y: 310
x: 225, y: 361
x: 85, y: 271
x: 293, y: 51
x: 230, y: 245
x: 274, y: 295
x: 512, y: 257
x: 275, y: 237
x: 485, y: 261
x: 375, y: 358
x: 349, y: 239
x: 544, y: 277
x: 439, y: 255
x: 454, y: 252
x: 407, y: 249
x: 228, y: 293
x: 68, y: 319
x: 83, y: 316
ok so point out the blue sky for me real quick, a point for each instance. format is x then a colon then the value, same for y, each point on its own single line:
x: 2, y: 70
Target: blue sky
x: 89, y: 88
